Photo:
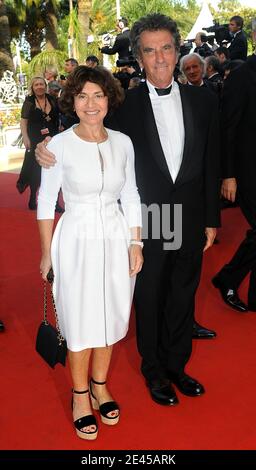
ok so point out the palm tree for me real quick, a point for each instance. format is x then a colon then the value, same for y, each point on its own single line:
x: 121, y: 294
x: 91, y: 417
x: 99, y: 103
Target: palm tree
x: 6, y: 62
x: 84, y: 9
x: 49, y: 14
x: 102, y: 19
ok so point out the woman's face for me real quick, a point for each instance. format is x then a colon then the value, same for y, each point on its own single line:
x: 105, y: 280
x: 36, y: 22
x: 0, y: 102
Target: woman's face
x: 39, y: 87
x: 91, y: 105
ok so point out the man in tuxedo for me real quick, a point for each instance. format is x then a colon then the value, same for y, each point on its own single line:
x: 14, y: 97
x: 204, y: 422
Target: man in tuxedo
x: 174, y: 130
x: 238, y: 45
x: 194, y: 67
x: 238, y: 126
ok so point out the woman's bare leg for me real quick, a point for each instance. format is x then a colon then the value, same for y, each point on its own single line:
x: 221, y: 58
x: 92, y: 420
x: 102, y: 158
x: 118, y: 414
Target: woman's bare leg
x: 79, y: 366
x: 101, y: 358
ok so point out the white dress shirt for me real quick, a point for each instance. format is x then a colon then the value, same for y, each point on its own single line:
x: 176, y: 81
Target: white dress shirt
x: 168, y: 115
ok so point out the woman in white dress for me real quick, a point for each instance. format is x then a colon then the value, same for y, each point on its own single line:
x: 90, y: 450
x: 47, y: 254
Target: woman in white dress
x: 96, y: 248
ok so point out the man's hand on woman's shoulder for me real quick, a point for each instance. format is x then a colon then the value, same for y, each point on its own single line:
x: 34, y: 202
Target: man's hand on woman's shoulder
x: 44, y: 158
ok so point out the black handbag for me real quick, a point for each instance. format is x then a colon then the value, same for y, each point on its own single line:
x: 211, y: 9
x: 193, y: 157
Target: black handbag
x: 50, y: 343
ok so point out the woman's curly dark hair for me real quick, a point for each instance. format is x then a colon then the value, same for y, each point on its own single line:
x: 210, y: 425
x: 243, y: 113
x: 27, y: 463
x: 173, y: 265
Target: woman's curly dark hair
x: 101, y: 76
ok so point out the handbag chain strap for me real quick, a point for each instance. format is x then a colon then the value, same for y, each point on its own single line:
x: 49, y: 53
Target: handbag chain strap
x: 60, y: 337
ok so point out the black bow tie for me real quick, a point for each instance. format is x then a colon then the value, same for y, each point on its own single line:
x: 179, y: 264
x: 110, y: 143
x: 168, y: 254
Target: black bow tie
x: 163, y: 91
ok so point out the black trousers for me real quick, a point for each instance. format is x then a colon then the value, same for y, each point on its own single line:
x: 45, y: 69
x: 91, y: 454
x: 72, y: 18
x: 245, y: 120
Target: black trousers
x: 244, y: 259
x: 164, y: 303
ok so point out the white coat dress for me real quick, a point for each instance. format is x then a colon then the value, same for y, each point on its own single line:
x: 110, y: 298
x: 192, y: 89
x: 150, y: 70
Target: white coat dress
x: 92, y: 287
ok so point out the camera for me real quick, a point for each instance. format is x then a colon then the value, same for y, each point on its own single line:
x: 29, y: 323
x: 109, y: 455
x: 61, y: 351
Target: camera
x: 221, y: 32
x: 126, y: 61
x: 107, y: 38
x: 186, y: 47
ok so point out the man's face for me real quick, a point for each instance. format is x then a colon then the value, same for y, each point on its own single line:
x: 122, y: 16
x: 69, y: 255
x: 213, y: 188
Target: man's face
x: 198, y: 41
x: 233, y: 28
x: 193, y: 70
x: 222, y: 58
x: 69, y: 67
x: 91, y: 64
x: 158, y: 56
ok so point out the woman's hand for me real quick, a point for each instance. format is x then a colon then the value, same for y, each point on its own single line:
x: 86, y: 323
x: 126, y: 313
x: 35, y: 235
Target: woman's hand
x: 135, y: 259
x: 45, y: 266
x: 210, y: 237
x: 27, y: 143
x: 228, y: 189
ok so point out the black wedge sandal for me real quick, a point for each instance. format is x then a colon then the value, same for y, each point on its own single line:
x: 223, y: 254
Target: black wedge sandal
x: 104, y: 408
x: 85, y: 421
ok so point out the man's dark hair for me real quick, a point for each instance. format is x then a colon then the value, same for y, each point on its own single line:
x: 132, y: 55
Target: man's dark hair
x: 101, y: 76
x: 153, y: 22
x: 214, y: 63
x: 72, y: 61
x: 223, y: 50
x: 238, y: 20
x: 124, y: 21
x: 92, y: 58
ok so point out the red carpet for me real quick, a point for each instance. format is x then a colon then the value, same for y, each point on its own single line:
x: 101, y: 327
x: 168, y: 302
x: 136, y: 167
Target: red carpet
x: 35, y: 401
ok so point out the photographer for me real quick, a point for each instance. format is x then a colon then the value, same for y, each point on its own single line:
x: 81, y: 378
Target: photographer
x: 122, y: 42
x: 238, y: 46
x: 202, y: 47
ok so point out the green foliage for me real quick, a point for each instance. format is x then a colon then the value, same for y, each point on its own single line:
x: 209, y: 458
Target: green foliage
x: 10, y: 117
x: 184, y: 13
x: 134, y: 9
x: 102, y: 17
x: 41, y: 61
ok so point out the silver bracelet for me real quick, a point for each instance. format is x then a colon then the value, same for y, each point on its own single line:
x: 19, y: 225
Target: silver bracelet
x: 136, y: 242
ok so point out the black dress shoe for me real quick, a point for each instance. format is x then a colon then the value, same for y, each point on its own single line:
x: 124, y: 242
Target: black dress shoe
x: 229, y: 296
x: 188, y: 386
x: 1, y: 326
x: 252, y: 306
x: 200, y: 332
x: 162, y: 393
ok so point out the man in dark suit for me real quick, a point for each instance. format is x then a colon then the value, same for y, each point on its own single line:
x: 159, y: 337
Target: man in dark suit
x: 238, y: 45
x: 122, y: 42
x: 239, y: 170
x: 202, y: 47
x: 174, y: 130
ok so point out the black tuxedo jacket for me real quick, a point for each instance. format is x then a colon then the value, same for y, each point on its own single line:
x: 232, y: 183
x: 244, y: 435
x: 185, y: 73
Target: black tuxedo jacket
x: 238, y: 125
x: 197, y: 184
x: 238, y: 47
x: 121, y: 46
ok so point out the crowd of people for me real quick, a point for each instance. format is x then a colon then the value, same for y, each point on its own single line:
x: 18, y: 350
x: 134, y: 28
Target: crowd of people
x: 180, y: 136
